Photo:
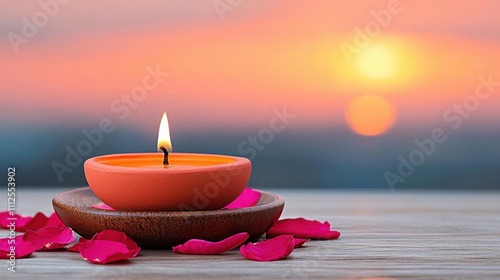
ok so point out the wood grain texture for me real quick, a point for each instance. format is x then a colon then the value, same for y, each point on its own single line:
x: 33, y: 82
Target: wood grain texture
x: 164, y: 229
x: 384, y: 236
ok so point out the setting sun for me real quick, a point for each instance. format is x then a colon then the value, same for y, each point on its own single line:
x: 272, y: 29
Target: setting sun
x: 377, y: 62
x: 387, y: 65
x: 370, y: 115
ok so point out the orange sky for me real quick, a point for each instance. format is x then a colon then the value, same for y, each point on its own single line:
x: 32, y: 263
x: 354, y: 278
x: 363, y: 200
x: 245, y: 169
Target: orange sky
x: 233, y: 72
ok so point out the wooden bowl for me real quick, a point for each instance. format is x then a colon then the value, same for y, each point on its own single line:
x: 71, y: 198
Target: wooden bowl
x: 191, y: 181
x: 162, y: 229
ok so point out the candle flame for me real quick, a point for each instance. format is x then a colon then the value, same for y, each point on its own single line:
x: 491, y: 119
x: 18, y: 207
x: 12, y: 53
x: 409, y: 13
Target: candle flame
x: 164, y: 134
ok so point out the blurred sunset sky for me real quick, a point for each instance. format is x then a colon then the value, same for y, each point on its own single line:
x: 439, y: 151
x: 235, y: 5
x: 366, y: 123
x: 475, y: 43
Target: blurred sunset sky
x: 363, y: 79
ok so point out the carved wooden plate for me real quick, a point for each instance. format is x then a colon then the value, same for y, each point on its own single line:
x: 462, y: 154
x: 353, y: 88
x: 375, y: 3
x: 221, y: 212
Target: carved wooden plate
x: 163, y: 229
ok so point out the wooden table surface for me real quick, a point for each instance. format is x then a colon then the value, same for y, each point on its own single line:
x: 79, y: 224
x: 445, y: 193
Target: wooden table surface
x: 411, y: 235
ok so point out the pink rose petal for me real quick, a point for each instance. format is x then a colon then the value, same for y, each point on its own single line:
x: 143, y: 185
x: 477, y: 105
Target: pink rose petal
x: 109, y: 235
x: 118, y: 236
x: 76, y: 246
x: 269, y: 250
x: 202, y: 247
x: 103, y: 206
x: 54, y: 221
x: 106, y: 246
x: 299, y: 242
x: 247, y: 198
x: 104, y: 251
x: 22, y: 249
x: 50, y: 238
x: 302, y: 228
x: 22, y: 223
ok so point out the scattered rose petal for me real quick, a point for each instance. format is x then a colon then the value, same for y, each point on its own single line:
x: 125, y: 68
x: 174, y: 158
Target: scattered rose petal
x: 104, y: 251
x: 76, y: 246
x: 22, y: 223
x: 269, y: 250
x: 103, y: 206
x: 302, y: 228
x: 106, y: 247
x: 118, y: 236
x: 50, y: 238
x: 299, y: 242
x: 22, y: 248
x: 109, y: 235
x: 202, y: 247
x: 247, y: 198
x: 54, y: 221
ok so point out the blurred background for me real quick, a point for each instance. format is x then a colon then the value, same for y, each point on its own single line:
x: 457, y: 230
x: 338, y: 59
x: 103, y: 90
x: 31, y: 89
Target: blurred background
x: 389, y: 94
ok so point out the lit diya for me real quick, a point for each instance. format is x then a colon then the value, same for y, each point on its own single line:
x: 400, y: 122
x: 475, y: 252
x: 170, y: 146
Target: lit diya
x: 168, y: 181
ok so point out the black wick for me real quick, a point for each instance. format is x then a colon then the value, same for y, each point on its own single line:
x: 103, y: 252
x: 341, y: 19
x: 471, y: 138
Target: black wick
x: 165, y: 157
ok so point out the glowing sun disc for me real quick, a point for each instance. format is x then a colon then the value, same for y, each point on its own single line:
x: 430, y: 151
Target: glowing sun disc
x: 370, y: 115
x: 377, y: 62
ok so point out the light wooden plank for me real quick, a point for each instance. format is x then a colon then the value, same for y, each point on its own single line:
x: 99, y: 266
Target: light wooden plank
x: 415, y: 235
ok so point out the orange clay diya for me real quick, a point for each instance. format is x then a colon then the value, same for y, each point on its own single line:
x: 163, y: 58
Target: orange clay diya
x: 167, y: 182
